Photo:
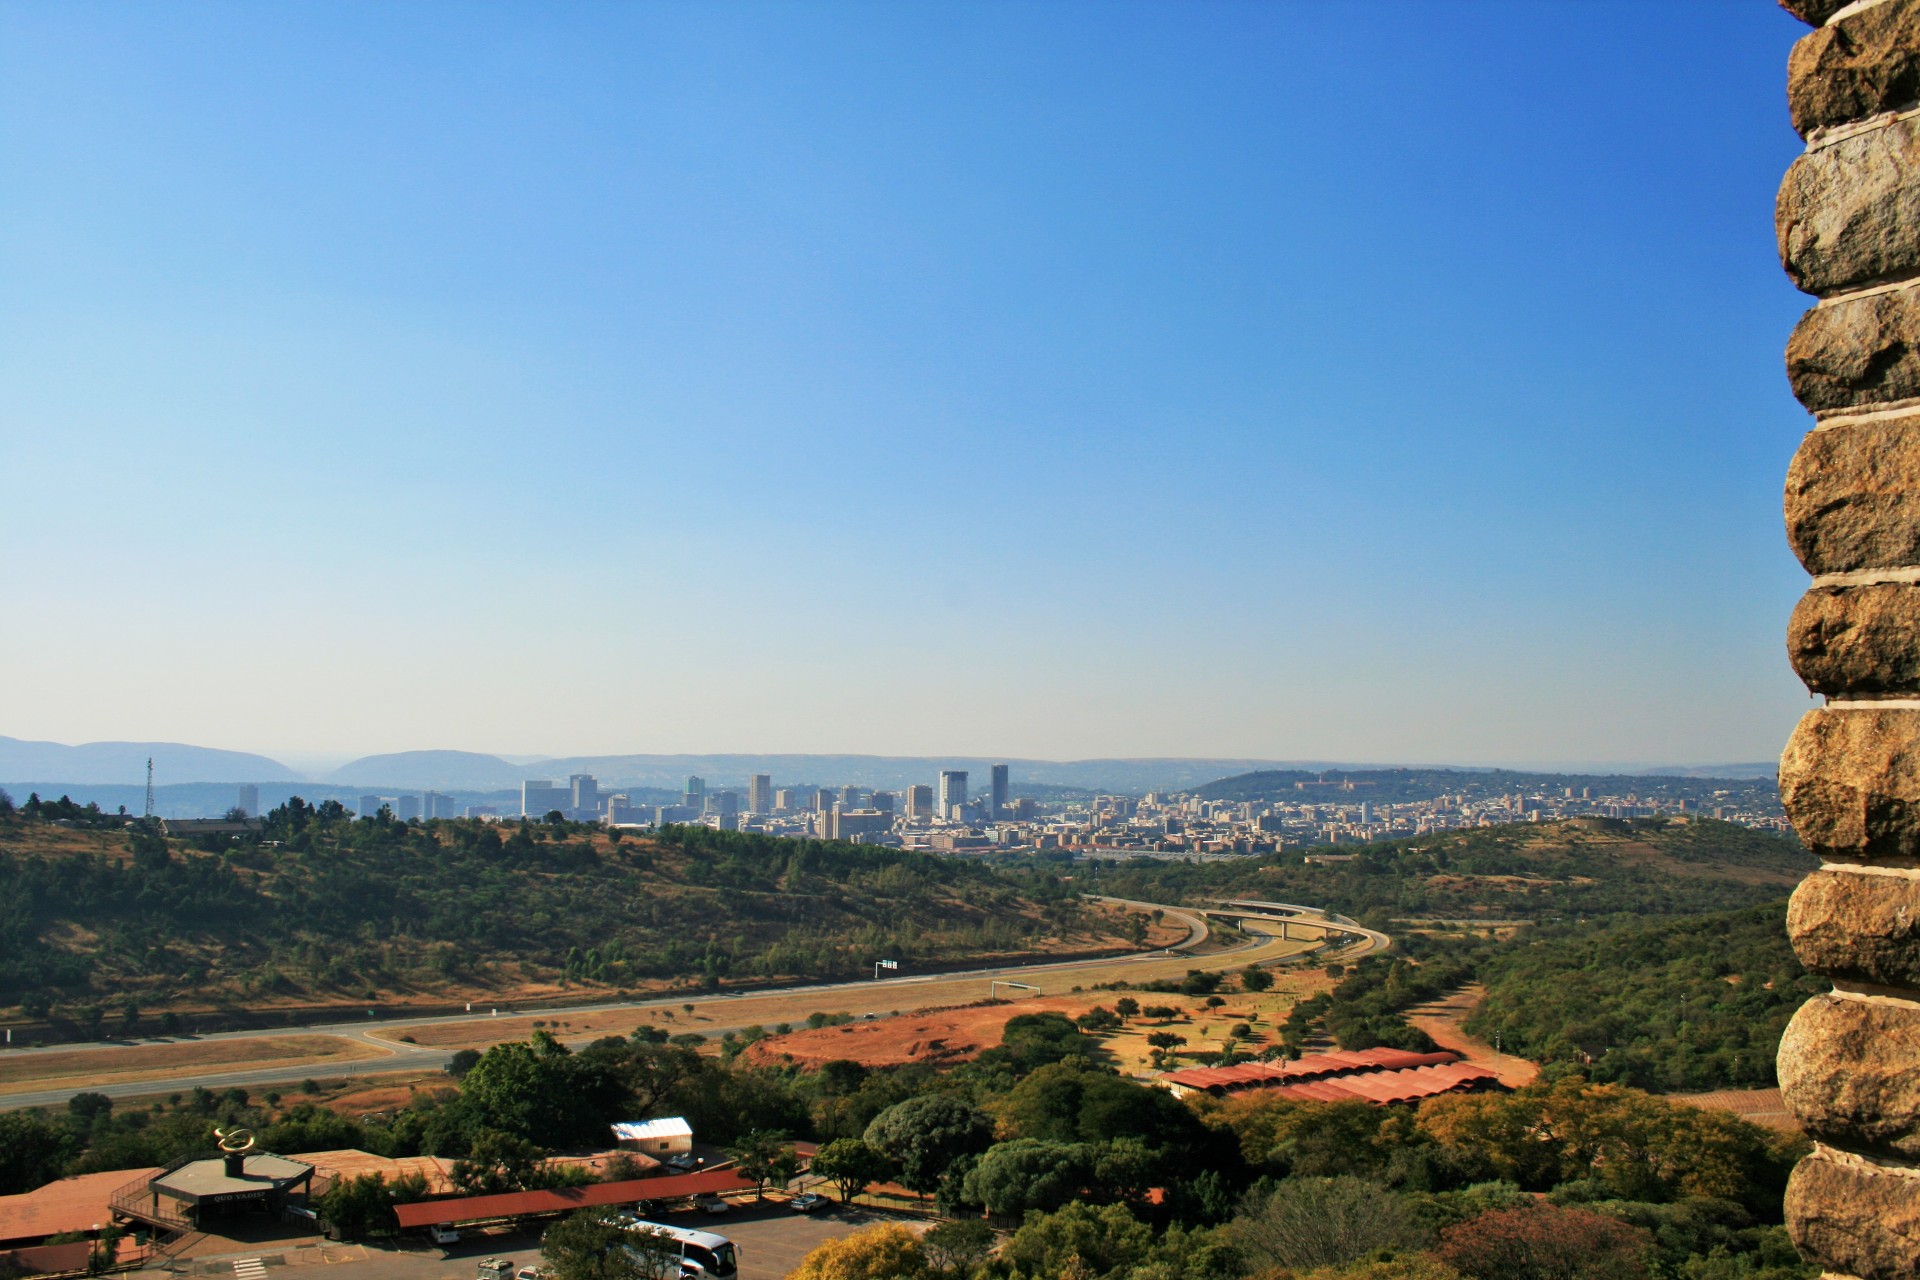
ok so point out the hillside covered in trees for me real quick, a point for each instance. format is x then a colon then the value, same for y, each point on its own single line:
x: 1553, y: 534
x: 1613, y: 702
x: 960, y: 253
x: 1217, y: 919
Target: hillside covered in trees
x: 321, y: 908
x: 1580, y: 868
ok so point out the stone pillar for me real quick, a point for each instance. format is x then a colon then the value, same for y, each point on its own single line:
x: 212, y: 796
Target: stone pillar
x: 1849, y: 227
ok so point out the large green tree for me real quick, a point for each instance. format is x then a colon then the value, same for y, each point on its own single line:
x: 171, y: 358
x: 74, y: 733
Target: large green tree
x: 923, y: 1136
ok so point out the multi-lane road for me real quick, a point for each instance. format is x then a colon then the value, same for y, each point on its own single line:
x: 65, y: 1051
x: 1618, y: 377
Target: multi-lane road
x: 1280, y: 930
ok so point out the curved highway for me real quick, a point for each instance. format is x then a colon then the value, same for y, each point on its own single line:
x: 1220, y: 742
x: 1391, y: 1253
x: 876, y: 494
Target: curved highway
x: 875, y: 997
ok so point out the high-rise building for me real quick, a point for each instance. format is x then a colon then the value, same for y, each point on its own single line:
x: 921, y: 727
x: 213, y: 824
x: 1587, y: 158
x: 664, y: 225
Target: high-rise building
x: 725, y: 805
x: 851, y: 797
x: 953, y: 791
x: 434, y: 805
x: 883, y: 802
x: 847, y: 824
x: 823, y: 801
x: 786, y: 800
x: 760, y: 794
x: 369, y: 805
x: 919, y: 802
x: 539, y: 797
x: 696, y: 795
x: 583, y: 797
x: 407, y: 808
x: 997, y: 799
x: 248, y: 802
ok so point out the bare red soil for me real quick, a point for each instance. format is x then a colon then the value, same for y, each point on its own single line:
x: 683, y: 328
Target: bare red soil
x: 929, y: 1035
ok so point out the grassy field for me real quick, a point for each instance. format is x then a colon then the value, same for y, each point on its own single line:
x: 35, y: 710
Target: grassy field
x: 30, y: 1073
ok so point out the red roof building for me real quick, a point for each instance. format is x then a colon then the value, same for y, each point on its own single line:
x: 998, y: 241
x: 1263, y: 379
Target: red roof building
x: 1372, y: 1075
x: 523, y: 1204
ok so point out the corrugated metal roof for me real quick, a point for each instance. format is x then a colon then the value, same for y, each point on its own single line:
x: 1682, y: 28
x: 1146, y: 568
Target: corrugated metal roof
x: 515, y: 1204
x: 1312, y: 1067
x: 645, y: 1130
x: 1409, y: 1085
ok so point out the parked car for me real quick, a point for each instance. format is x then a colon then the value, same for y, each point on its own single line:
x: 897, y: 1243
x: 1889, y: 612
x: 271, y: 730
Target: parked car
x: 707, y: 1202
x: 443, y: 1235
x: 496, y: 1269
x: 683, y: 1163
x: 534, y: 1273
x: 807, y: 1202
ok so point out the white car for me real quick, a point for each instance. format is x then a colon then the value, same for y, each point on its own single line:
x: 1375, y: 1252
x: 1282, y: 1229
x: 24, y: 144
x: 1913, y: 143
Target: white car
x: 443, y: 1235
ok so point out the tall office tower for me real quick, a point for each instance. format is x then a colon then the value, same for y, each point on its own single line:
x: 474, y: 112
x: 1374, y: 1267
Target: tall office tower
x: 539, y: 797
x: 786, y: 800
x: 583, y: 794
x: 726, y: 806
x: 369, y: 805
x: 696, y: 796
x: 823, y: 801
x: 850, y: 797
x: 1366, y: 811
x: 760, y: 794
x: 919, y: 802
x: 407, y: 808
x: 997, y: 801
x: 882, y: 802
x: 434, y: 805
x: 953, y: 791
x: 248, y: 802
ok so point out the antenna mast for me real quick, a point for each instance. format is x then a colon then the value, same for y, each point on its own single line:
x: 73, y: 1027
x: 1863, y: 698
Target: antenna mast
x: 149, y: 786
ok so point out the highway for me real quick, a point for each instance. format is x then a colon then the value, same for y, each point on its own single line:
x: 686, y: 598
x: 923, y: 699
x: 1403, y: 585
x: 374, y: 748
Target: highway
x: 879, y: 997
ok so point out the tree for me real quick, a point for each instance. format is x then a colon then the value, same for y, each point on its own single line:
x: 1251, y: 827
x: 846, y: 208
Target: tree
x: 1166, y: 1040
x: 762, y: 1156
x: 587, y: 1246
x: 1254, y: 978
x: 1545, y: 1242
x: 363, y: 1205
x: 1080, y: 1240
x: 958, y: 1247
x: 924, y: 1135
x: 888, y: 1251
x: 496, y: 1162
x: 1323, y: 1222
x: 851, y: 1165
x: 32, y: 1150
x: 1126, y: 1006
x: 1027, y: 1173
x: 462, y: 1062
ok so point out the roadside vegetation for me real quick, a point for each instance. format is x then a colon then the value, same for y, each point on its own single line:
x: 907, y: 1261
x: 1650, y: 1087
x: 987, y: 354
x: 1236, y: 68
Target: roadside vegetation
x: 108, y: 929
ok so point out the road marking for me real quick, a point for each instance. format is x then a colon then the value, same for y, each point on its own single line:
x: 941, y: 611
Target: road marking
x: 249, y: 1269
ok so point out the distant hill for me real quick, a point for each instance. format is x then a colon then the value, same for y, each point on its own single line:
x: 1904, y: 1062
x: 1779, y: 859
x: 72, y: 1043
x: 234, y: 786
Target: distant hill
x: 440, y: 770
x: 1398, y: 786
x: 126, y: 762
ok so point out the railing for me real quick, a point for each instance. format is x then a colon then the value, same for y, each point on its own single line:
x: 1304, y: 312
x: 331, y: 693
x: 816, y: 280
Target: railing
x: 136, y: 1200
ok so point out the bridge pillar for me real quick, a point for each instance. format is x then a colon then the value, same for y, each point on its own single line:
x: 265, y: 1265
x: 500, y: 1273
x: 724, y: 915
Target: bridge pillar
x: 1848, y: 221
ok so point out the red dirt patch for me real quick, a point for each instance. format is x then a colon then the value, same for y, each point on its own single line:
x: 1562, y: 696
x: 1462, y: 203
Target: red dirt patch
x: 929, y: 1035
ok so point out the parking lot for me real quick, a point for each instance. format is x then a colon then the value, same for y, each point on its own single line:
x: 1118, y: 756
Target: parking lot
x: 770, y: 1238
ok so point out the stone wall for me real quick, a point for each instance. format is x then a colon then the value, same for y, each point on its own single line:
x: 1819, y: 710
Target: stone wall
x: 1849, y: 227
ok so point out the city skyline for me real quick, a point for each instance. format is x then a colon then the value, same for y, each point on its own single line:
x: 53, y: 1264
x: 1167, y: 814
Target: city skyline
x: 526, y: 389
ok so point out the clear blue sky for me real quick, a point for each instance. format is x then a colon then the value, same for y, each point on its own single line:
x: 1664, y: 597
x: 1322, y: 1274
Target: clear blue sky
x: 1393, y: 382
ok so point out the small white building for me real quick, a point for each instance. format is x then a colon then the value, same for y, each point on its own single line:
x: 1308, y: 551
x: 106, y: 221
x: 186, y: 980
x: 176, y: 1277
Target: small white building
x: 671, y: 1136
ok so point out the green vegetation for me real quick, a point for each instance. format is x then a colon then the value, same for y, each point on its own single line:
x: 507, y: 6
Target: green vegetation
x: 1574, y: 869
x: 1137, y: 1184
x: 114, y: 924
x: 1697, y: 1002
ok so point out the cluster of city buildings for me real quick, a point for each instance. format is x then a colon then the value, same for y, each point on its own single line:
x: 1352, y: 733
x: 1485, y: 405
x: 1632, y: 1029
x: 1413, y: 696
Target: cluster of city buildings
x: 945, y: 816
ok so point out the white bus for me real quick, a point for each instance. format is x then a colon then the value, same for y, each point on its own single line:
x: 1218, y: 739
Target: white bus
x: 703, y: 1254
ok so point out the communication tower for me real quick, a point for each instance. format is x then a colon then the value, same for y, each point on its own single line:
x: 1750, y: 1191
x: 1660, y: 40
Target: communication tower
x: 149, y: 786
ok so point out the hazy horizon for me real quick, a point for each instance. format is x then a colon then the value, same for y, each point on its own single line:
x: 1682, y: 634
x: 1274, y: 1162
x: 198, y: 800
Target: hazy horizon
x: 1211, y: 381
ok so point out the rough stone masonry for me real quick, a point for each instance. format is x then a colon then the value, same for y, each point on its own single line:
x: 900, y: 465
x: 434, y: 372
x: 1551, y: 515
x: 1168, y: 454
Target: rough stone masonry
x: 1848, y: 221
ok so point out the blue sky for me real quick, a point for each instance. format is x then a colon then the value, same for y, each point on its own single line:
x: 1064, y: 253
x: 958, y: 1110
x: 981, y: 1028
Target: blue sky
x: 1393, y: 382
